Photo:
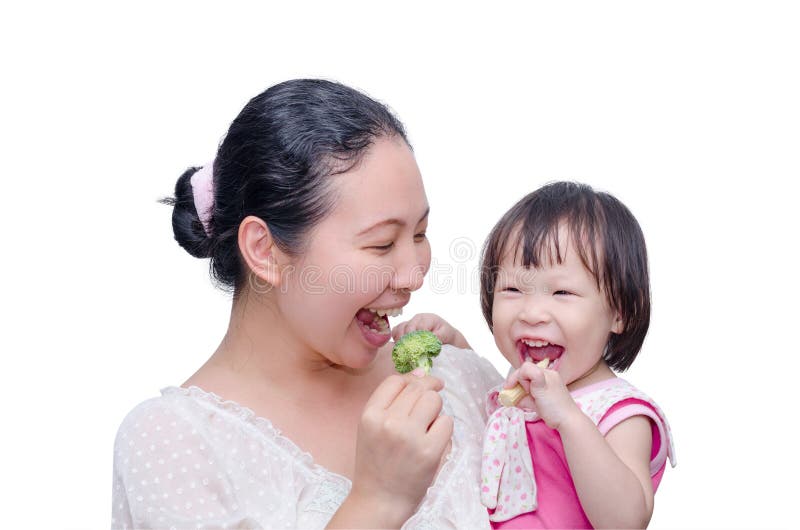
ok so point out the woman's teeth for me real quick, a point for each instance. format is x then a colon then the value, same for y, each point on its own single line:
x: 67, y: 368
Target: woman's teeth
x: 391, y: 312
x: 382, y: 326
x: 380, y: 319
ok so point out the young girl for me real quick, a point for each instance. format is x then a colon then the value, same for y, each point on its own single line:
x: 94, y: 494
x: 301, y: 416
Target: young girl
x: 565, y: 284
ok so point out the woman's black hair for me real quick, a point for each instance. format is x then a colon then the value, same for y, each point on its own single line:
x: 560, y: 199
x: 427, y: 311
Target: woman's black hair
x: 273, y: 164
x: 608, y: 240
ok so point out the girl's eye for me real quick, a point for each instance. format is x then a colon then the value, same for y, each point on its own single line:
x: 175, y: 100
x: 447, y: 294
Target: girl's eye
x: 420, y: 237
x: 562, y: 292
x: 511, y: 290
x: 383, y: 247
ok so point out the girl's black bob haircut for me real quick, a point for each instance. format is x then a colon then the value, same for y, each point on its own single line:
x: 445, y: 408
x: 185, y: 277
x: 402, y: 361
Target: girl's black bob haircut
x: 608, y: 240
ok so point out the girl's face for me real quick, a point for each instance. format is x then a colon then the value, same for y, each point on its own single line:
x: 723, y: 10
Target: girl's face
x: 368, y: 254
x: 555, y: 312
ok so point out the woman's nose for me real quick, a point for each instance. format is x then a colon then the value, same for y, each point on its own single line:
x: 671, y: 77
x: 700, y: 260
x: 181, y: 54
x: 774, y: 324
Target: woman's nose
x: 410, y: 268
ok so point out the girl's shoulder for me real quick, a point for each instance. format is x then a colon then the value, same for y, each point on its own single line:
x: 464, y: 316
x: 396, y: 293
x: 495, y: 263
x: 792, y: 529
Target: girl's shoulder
x: 597, y: 399
x: 610, y: 402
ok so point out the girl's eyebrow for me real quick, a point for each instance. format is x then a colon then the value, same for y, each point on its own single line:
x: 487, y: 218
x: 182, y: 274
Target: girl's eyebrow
x: 393, y: 221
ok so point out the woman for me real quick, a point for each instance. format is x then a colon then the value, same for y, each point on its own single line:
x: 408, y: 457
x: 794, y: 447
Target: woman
x: 314, y: 215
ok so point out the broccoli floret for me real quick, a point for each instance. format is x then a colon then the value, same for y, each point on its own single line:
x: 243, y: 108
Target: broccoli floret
x: 416, y: 349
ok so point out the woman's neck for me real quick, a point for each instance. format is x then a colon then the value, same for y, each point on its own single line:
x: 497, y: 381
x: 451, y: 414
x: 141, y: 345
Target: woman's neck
x: 260, y: 352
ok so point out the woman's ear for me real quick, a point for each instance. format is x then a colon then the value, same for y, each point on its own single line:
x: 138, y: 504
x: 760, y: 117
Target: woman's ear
x: 261, y: 255
x: 617, y: 326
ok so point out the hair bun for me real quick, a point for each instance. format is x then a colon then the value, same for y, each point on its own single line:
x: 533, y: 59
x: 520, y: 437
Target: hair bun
x: 186, y: 225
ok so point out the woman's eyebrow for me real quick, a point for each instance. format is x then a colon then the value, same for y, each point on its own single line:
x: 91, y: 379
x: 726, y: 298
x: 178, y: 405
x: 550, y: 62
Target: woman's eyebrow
x: 393, y: 221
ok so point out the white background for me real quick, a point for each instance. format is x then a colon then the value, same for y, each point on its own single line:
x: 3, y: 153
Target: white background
x: 686, y: 111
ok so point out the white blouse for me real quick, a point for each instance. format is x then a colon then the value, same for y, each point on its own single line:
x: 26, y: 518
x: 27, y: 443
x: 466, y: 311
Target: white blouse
x: 188, y: 459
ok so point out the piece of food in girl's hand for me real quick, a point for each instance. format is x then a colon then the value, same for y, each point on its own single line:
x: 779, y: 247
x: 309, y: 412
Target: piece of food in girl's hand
x: 416, y: 350
x: 509, y: 397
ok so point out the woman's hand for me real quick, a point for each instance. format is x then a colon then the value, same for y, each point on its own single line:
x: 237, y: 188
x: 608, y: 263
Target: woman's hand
x: 401, y: 441
x: 547, y: 394
x: 436, y: 325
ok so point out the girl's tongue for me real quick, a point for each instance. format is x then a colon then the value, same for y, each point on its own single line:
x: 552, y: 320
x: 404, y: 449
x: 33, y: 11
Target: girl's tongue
x: 536, y: 354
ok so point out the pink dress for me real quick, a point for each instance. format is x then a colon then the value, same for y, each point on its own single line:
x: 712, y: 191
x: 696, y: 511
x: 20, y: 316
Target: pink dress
x: 525, y: 478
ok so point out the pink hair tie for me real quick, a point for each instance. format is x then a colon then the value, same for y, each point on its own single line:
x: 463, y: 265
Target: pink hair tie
x: 203, y: 191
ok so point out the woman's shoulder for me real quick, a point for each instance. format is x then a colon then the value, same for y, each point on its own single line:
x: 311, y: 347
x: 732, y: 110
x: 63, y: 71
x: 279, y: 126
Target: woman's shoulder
x: 467, y: 379
x: 153, y: 409
x: 175, y: 417
x: 153, y: 418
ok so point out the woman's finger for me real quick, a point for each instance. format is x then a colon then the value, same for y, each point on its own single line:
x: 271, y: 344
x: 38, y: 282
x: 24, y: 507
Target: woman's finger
x: 387, y: 391
x: 408, y: 397
x: 439, y: 435
x: 427, y: 408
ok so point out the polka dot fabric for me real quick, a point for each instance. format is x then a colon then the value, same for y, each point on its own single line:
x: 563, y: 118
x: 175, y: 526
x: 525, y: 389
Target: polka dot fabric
x: 189, y: 459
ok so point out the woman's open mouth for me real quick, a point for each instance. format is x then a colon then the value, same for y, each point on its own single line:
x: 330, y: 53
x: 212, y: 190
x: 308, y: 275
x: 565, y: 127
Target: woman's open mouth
x: 374, y: 324
x: 536, y: 350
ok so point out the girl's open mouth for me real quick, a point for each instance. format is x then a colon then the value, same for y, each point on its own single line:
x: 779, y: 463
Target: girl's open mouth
x: 535, y: 350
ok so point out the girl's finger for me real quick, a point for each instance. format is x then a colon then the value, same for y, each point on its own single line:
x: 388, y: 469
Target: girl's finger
x: 398, y: 331
x: 512, y: 379
x: 535, y: 377
x: 529, y: 375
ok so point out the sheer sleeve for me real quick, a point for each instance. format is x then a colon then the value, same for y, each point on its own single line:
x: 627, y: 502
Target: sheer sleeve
x: 468, y: 378
x: 168, y: 475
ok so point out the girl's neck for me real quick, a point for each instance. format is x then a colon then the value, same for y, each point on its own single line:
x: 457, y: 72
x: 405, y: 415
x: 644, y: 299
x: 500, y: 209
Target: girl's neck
x: 599, y: 372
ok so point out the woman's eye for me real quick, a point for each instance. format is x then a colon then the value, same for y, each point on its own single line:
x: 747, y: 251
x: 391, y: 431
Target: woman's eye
x: 383, y: 247
x: 562, y: 291
x: 420, y: 237
x: 511, y: 290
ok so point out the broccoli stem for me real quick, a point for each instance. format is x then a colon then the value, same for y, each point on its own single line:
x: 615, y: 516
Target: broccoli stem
x: 426, y: 363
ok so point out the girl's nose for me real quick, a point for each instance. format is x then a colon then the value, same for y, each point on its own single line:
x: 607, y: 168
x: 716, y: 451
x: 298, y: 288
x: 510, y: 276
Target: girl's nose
x: 534, y: 312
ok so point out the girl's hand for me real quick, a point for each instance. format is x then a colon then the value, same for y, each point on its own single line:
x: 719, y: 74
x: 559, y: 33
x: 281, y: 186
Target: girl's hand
x: 402, y: 439
x: 547, y: 394
x: 436, y: 325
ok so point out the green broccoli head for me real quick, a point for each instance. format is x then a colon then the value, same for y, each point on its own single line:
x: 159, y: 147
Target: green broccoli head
x: 416, y: 350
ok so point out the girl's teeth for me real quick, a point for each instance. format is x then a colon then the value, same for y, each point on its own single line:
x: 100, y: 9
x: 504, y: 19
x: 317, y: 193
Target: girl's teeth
x: 536, y: 343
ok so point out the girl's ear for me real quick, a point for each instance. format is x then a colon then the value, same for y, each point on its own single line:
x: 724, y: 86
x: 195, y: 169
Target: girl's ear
x: 262, y: 256
x: 617, y: 326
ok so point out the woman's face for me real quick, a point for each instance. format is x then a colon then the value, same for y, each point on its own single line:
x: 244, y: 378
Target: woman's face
x: 369, y: 253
